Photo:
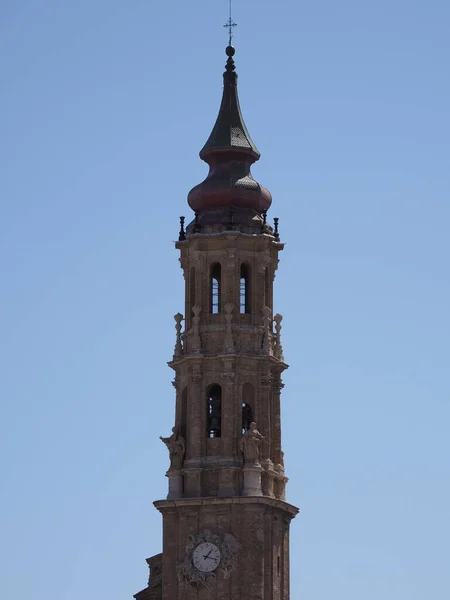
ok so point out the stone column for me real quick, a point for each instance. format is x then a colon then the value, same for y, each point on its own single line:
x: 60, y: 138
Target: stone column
x: 268, y: 478
x: 229, y: 261
x: 228, y: 346
x: 228, y: 402
x: 252, y: 480
x: 177, y: 385
x: 260, y: 296
x: 267, y: 337
x: 263, y: 414
x: 196, y: 346
x: 170, y: 551
x: 175, y: 484
x: 227, y: 479
x: 196, y: 435
x: 276, y: 454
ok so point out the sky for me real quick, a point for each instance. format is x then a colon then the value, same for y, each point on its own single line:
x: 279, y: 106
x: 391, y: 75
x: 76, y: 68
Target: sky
x: 104, y: 108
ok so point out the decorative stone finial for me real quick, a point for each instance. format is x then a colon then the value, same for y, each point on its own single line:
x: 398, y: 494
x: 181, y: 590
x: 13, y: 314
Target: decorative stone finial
x: 264, y: 221
x: 230, y: 66
x: 275, y: 231
x: 182, y: 234
x: 278, y: 350
x: 196, y: 223
x: 229, y: 51
x: 178, y: 346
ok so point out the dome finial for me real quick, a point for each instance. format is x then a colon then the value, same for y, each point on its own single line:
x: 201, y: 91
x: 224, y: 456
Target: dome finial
x: 230, y: 66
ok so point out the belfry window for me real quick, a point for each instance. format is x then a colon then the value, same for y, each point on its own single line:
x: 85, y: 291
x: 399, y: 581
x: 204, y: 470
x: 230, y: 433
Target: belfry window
x: 248, y: 399
x: 215, y: 290
x: 244, y: 290
x: 247, y: 416
x: 214, y: 411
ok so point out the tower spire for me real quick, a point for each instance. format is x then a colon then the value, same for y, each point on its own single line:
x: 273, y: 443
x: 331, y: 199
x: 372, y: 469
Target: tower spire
x: 225, y: 518
x: 229, y: 152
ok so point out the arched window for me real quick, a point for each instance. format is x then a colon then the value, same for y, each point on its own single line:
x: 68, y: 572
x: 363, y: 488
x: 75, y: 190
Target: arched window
x: 214, y: 412
x: 215, y: 288
x: 248, y: 398
x: 192, y: 288
x: 244, y: 290
x: 247, y: 416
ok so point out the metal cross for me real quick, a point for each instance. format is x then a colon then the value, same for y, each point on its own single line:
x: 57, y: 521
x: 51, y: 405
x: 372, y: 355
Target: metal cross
x: 229, y: 25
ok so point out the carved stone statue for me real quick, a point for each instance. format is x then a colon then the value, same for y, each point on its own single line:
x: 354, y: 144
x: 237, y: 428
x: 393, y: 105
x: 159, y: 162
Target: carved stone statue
x: 250, y: 442
x: 177, y: 447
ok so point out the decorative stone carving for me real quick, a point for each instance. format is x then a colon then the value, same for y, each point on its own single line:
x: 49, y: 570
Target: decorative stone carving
x: 278, y: 350
x: 266, y: 380
x: 196, y: 376
x: 195, y: 341
x: 228, y: 377
x: 183, y: 264
x: 263, y: 263
x: 155, y: 571
x: 267, y: 483
x: 250, y: 443
x: 230, y: 258
x: 177, y: 448
x: 212, y: 341
x: 178, y: 345
x: 228, y: 546
x: 228, y: 343
x: 246, y: 343
x: 267, y: 312
x: 279, y: 469
x: 277, y: 384
x: 196, y: 259
x: 280, y: 487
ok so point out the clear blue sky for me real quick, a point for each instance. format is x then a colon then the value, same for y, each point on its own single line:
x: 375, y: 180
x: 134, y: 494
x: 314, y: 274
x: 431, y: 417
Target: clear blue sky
x: 104, y: 107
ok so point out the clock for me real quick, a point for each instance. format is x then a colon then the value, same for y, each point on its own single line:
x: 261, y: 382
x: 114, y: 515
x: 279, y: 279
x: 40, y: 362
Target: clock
x: 206, y: 557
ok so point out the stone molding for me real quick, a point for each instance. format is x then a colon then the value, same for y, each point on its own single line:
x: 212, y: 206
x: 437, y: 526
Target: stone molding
x: 289, y: 509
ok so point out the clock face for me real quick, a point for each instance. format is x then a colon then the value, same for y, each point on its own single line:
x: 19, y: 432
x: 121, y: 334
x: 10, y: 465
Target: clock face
x: 206, y: 557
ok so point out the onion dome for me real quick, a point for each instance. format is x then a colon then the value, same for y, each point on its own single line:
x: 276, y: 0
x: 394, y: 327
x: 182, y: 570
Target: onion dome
x: 229, y: 152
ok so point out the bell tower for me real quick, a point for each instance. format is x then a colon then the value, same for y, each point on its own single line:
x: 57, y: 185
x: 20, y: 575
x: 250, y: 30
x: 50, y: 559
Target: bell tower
x: 225, y: 519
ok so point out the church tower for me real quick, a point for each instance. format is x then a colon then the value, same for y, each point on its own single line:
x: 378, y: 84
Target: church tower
x: 225, y: 519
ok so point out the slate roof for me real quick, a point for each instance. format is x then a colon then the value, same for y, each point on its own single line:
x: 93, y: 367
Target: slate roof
x: 229, y: 131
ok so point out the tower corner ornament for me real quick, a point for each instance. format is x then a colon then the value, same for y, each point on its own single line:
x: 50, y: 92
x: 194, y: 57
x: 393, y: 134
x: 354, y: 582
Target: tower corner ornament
x: 250, y: 443
x: 177, y: 447
x: 226, y: 522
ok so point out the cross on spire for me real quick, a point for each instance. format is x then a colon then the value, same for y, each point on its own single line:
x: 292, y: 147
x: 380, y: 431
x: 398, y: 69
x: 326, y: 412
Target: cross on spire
x: 229, y: 25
